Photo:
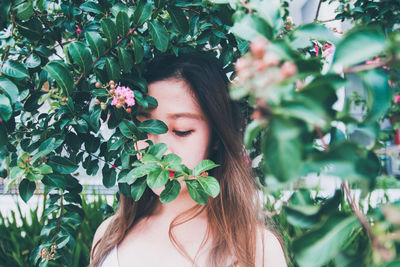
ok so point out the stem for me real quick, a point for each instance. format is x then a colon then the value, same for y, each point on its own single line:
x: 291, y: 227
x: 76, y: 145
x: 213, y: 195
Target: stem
x: 386, y: 255
x: 321, y: 137
x: 371, y: 66
x: 97, y: 157
x: 318, y: 9
x: 46, y: 24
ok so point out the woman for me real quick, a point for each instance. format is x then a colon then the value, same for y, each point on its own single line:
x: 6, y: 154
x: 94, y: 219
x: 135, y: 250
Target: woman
x: 193, y: 100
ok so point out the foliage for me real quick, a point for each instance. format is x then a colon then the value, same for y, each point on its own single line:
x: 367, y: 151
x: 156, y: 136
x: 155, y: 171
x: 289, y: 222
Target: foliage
x: 70, y: 67
x: 21, y: 232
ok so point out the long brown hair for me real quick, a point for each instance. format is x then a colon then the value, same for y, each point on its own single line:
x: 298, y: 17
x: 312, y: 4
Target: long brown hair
x: 234, y: 216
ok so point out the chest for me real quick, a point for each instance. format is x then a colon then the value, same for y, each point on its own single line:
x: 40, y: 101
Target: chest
x: 148, y: 244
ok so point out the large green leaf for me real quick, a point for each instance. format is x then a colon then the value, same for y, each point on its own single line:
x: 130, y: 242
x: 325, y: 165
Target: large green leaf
x: 196, y: 192
x: 26, y: 189
x: 122, y: 22
x: 138, y: 172
x: 24, y: 11
x: 159, y: 35
x: 138, y: 50
x: 252, y: 131
x: 171, y: 191
x: 325, y: 241
x: 251, y: 27
x: 153, y: 126
x: 203, y: 166
x: 178, y: 19
x: 282, y: 149
x: 157, y: 178
x: 5, y: 108
x: 58, y: 70
x: 109, y: 176
x: 9, y: 88
x: 14, y: 69
x: 125, y: 59
x: 314, y: 31
x: 210, y: 185
x: 32, y: 61
x: 158, y: 150
x: 129, y: 129
x: 62, y: 164
x: 113, y: 69
x: 359, y: 45
x: 142, y: 13
x: 137, y: 188
x: 96, y: 43
x: 110, y: 31
x: 81, y: 56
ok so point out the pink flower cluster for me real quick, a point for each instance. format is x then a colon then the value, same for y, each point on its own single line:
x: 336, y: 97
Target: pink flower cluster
x: 397, y: 99
x: 123, y: 95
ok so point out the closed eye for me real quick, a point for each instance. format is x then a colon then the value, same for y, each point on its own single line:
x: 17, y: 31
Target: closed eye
x: 182, y: 133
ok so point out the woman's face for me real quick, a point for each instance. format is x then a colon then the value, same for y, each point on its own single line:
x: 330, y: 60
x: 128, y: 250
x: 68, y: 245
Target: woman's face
x: 188, y: 133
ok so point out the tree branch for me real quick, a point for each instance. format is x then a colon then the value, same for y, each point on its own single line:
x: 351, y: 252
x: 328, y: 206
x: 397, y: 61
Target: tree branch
x: 318, y: 9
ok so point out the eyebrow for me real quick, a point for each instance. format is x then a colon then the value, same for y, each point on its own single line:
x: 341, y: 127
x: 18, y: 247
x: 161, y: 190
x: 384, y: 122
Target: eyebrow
x: 185, y: 115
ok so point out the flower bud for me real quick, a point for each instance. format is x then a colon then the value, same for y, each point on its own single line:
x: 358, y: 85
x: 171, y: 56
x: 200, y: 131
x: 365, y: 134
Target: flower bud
x: 112, y: 91
x: 103, y: 106
x: 271, y: 59
x: 128, y: 110
x: 257, y: 47
x: 241, y: 64
x: 96, y: 101
x: 260, y: 65
x: 98, y: 85
x: 64, y: 99
x: 288, y: 69
x: 119, y: 105
x: 111, y: 82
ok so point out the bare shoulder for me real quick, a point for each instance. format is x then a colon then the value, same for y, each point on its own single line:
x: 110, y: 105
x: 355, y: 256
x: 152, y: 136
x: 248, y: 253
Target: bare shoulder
x: 101, y: 230
x: 273, y: 251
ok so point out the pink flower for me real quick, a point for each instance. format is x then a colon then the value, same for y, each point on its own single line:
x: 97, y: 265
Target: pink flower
x: 327, y: 50
x: 316, y: 48
x: 287, y: 27
x: 397, y: 99
x: 123, y: 95
x: 373, y: 61
x: 78, y: 31
x: 112, y: 165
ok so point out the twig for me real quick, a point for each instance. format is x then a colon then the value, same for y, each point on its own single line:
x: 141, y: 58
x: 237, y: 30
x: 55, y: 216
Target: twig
x: 371, y: 66
x: 46, y: 24
x: 386, y: 255
x: 318, y: 9
x: 97, y: 157
x: 5, y: 56
x: 321, y: 137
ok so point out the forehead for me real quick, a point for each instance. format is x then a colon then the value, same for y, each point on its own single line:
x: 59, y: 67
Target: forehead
x: 174, y: 96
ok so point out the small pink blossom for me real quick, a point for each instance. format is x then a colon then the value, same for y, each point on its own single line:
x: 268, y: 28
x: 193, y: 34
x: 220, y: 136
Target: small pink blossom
x: 287, y: 27
x: 112, y: 165
x: 328, y: 50
x: 78, y: 31
x: 397, y: 99
x: 373, y: 61
x: 316, y: 48
x: 123, y: 95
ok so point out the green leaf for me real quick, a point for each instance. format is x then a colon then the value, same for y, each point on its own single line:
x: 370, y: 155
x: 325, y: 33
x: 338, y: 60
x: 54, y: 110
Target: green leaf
x: 280, y: 146
x: 252, y: 131
x: 32, y: 61
x: 178, y: 19
x: 159, y: 35
x: 138, y: 50
x: 251, y: 27
x: 58, y: 70
x: 125, y: 59
x: 158, y: 150
x: 325, y: 241
x: 196, y: 192
x: 110, y: 31
x: 62, y: 164
x: 137, y: 188
x: 210, y: 185
x: 172, y: 159
x: 138, y: 172
x: 113, y: 69
x: 157, y: 178
x: 96, y: 43
x: 379, y: 94
x: 9, y: 88
x: 26, y: 189
x: 315, y: 31
x: 171, y: 191
x: 5, y: 108
x: 14, y: 69
x: 203, y: 166
x: 359, y: 45
x: 149, y: 158
x: 129, y: 129
x: 24, y: 11
x: 153, y: 126
x: 81, y: 56
x: 142, y: 13
x: 270, y: 11
x: 109, y: 176
x: 3, y: 135
x: 122, y: 22
x: 45, y: 169
x: 91, y: 7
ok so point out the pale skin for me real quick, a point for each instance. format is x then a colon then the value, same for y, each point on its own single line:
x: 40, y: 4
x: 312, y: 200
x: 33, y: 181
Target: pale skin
x: 188, y: 136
